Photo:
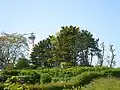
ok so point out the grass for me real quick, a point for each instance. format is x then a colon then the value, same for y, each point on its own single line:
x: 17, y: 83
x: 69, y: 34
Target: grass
x: 103, y: 84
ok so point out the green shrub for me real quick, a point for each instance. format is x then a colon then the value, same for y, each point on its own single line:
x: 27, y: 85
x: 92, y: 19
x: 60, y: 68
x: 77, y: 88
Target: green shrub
x: 84, y: 78
x: 45, y: 78
x: 33, y: 87
x: 29, y: 76
x: 9, y: 67
x: 14, y: 86
x: 3, y: 78
x: 61, y: 78
x: 10, y: 82
x: 51, y: 86
x: 58, y: 86
x: 112, y: 72
x: 2, y: 86
x: 66, y: 81
x: 10, y: 73
x: 22, y: 63
x: 69, y: 72
x: 57, y: 79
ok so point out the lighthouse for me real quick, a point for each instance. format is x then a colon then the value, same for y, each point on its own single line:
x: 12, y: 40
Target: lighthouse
x: 31, y: 39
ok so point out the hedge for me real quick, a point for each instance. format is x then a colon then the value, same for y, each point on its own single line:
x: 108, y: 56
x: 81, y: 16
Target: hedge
x: 79, y: 80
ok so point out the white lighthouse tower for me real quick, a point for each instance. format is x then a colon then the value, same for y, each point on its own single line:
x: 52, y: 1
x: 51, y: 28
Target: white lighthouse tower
x: 31, y: 42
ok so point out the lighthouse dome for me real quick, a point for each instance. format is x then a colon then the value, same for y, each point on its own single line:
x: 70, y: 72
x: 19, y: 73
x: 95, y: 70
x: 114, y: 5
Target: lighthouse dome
x: 32, y: 36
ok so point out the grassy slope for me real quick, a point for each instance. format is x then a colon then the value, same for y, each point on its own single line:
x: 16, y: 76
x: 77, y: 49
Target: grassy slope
x: 103, y: 84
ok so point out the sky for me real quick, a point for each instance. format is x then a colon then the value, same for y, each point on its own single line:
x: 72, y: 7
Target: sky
x: 45, y: 17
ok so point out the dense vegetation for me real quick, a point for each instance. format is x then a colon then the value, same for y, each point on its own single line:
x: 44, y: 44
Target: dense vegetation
x: 54, y: 79
x: 70, y: 47
x: 63, y: 61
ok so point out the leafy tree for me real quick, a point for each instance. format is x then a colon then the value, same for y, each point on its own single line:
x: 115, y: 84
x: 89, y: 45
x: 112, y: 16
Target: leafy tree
x: 74, y: 45
x: 94, y: 51
x: 55, y: 59
x: 87, y: 46
x: 70, y: 45
x: 41, y: 53
x: 22, y: 63
x: 66, y: 47
x: 12, y: 46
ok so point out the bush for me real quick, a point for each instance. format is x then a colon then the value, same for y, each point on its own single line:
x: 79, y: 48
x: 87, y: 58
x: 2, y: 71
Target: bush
x: 13, y: 86
x: 112, y: 72
x: 22, y: 63
x: 45, y: 78
x: 79, y: 80
x: 84, y: 78
x: 29, y: 76
x: 69, y: 72
x: 2, y: 86
x: 10, y: 73
x: 9, y: 67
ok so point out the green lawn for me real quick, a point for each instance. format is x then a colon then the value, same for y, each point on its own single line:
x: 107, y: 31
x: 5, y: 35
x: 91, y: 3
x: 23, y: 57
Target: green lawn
x: 103, y: 84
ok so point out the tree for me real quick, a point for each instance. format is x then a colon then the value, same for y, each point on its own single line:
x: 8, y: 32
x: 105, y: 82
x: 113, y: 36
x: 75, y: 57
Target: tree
x: 88, y: 46
x: 12, y: 46
x: 41, y: 53
x: 101, y: 55
x: 55, y: 59
x: 22, y: 63
x: 75, y: 45
x: 94, y: 51
x: 70, y: 45
x: 111, y: 61
x: 66, y: 47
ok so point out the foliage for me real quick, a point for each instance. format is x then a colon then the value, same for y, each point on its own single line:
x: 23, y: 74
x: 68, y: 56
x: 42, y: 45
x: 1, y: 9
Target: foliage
x: 79, y: 80
x: 65, y: 65
x: 70, y: 45
x: 69, y: 72
x: 45, y: 78
x: 88, y: 46
x: 53, y: 57
x: 22, y: 63
x: 2, y: 86
x: 84, y: 78
x: 29, y: 76
x: 57, y: 75
x: 12, y: 46
x: 9, y: 67
x: 14, y: 86
x: 11, y: 73
x: 66, y: 40
x: 41, y: 53
x: 69, y: 78
x: 8, y: 74
x: 112, y: 72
